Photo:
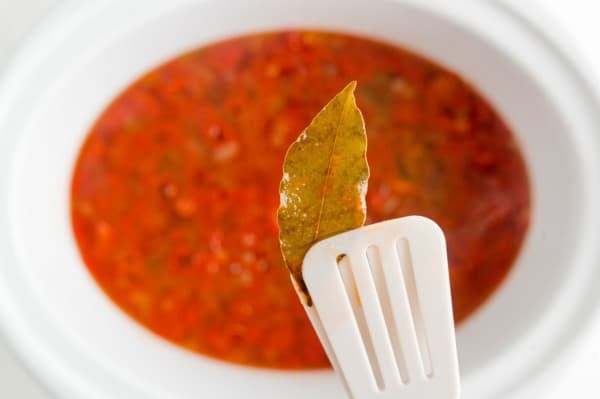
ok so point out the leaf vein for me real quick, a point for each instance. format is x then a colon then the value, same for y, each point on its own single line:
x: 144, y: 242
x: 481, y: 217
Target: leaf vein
x: 329, y: 167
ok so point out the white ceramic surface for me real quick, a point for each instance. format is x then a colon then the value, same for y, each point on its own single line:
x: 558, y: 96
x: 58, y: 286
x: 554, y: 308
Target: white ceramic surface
x: 84, y: 347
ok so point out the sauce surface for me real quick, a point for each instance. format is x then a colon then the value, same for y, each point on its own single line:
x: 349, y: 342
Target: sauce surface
x: 175, y: 190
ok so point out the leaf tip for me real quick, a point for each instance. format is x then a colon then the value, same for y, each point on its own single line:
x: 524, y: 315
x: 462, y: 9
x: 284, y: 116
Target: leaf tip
x: 350, y: 87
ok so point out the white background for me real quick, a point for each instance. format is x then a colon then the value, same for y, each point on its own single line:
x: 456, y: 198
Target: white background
x: 578, y: 18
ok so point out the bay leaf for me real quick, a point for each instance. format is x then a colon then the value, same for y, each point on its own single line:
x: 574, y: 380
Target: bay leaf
x: 324, y: 184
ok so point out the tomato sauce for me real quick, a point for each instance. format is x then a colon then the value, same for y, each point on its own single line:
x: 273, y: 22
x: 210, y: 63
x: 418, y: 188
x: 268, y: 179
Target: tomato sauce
x: 175, y: 191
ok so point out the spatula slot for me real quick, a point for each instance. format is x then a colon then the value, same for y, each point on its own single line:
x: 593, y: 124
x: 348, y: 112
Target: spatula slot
x: 348, y: 279
x: 376, y: 266
x: 406, y: 264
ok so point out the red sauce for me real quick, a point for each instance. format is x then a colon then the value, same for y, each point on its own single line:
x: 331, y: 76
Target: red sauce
x: 175, y: 191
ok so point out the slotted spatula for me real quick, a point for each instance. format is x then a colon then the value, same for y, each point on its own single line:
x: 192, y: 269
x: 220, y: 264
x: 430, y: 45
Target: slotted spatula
x: 381, y: 308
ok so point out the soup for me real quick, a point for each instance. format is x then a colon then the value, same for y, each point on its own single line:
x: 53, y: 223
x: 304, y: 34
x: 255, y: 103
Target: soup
x: 175, y: 190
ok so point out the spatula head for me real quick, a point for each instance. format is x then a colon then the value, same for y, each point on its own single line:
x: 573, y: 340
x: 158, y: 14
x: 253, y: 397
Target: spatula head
x: 382, y: 308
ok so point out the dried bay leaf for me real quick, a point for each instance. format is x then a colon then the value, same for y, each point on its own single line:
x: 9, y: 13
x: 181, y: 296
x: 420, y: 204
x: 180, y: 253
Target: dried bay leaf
x: 324, y: 184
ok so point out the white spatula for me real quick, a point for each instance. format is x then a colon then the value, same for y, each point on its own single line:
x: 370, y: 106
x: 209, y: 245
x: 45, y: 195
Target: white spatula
x: 381, y: 307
